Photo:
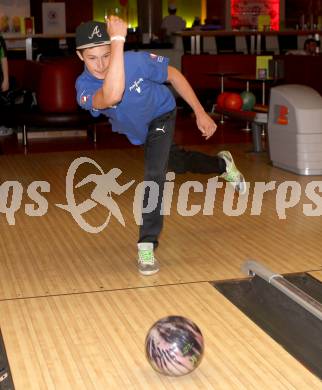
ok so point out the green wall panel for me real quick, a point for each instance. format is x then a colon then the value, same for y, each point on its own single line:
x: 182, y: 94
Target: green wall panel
x: 187, y: 9
x: 113, y: 6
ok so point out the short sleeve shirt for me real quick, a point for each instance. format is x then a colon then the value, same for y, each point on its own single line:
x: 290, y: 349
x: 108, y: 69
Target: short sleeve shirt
x: 145, y: 96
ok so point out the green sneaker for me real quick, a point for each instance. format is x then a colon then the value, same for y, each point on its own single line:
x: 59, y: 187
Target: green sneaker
x: 232, y: 174
x: 147, y: 263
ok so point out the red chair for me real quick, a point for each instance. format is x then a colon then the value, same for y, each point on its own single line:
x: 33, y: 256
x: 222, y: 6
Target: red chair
x: 53, y: 83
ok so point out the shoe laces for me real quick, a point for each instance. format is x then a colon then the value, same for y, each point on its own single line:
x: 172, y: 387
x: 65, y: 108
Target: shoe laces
x: 146, y: 256
x: 233, y: 175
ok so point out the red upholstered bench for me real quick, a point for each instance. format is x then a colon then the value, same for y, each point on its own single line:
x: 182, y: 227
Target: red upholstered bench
x: 53, y: 83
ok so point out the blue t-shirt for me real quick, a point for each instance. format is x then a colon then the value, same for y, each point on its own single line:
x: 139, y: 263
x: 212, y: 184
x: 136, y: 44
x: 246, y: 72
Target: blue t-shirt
x: 145, y: 96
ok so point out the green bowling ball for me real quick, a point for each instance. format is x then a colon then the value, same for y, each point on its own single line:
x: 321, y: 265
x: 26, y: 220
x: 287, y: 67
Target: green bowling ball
x: 249, y: 100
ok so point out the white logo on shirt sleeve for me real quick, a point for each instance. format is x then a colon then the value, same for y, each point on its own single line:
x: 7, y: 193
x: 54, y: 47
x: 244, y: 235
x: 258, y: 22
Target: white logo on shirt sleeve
x: 156, y: 57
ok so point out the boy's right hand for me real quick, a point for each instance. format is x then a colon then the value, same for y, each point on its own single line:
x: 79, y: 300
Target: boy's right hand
x: 4, y: 86
x: 116, y: 26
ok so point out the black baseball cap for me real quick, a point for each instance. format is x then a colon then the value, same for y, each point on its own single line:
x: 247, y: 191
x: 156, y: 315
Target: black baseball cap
x: 91, y: 34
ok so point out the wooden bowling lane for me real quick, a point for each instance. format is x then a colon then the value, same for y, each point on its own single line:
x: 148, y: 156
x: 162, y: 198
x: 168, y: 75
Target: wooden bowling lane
x: 52, y: 255
x: 96, y: 341
x: 317, y: 275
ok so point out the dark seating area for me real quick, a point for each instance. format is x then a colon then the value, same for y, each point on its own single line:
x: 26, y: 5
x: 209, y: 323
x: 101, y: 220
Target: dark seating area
x: 287, y: 42
x: 305, y: 70
x: 198, y: 69
x: 202, y: 72
x: 226, y: 44
x: 52, y: 82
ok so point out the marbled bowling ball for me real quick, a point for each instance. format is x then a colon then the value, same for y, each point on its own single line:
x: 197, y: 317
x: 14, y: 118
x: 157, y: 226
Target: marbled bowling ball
x: 174, y: 346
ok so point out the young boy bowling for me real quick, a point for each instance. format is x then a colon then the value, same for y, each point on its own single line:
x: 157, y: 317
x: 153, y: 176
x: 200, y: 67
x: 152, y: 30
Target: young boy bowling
x: 129, y: 89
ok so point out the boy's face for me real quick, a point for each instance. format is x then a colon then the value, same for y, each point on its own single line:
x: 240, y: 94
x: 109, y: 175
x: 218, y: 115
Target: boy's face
x: 97, y: 60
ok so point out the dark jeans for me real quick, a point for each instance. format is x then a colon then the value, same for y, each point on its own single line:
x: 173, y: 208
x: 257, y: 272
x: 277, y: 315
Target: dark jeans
x: 156, y: 154
x: 182, y: 161
x: 162, y: 155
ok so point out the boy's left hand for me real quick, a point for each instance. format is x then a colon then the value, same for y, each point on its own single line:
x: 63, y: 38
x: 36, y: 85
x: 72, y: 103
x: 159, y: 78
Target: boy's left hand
x: 205, y: 124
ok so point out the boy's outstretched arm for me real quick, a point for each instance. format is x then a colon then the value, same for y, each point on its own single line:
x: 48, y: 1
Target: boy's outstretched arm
x: 205, y: 124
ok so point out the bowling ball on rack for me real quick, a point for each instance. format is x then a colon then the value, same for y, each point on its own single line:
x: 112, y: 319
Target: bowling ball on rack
x: 233, y: 102
x: 221, y: 99
x: 249, y: 100
x: 174, y: 346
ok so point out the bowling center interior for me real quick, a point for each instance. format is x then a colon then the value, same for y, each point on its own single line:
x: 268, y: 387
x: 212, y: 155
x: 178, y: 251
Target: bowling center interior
x: 234, y: 296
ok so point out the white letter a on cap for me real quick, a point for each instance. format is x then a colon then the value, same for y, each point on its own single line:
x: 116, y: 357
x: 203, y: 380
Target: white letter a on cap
x: 96, y: 32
